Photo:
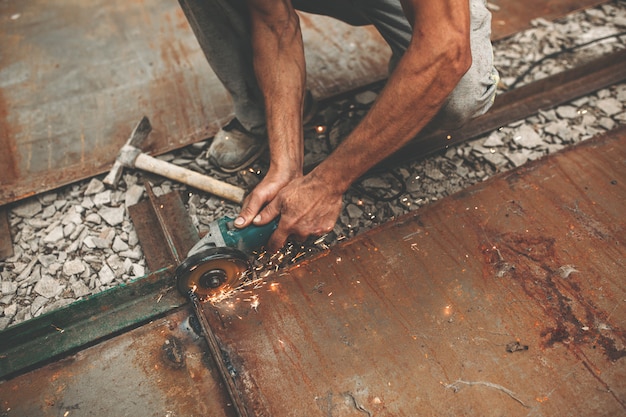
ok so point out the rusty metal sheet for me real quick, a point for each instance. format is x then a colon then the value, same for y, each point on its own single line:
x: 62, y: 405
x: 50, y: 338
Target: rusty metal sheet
x: 511, y: 16
x: 505, y: 299
x: 161, y: 369
x: 76, y: 77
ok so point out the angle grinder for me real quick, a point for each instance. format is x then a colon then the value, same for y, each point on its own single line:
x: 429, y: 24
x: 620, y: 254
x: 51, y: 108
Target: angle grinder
x: 220, y: 260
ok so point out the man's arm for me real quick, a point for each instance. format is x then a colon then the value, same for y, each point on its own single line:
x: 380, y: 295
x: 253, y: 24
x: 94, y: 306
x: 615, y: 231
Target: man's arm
x: 437, y: 57
x: 280, y: 69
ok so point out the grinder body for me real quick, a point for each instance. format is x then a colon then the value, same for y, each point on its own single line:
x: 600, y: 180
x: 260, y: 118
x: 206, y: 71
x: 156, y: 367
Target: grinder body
x: 219, y: 260
x: 223, y: 233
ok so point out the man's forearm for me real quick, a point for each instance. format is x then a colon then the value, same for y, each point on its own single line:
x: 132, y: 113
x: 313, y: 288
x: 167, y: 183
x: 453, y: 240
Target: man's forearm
x: 280, y: 68
x: 415, y: 92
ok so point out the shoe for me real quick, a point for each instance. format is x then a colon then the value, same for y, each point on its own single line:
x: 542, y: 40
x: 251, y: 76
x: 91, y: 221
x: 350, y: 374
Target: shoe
x: 234, y: 148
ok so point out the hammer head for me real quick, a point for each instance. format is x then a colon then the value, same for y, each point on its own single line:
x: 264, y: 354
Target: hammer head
x: 129, y: 151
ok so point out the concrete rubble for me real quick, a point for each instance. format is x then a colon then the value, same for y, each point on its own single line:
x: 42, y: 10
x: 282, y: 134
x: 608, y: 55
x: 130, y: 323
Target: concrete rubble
x: 78, y: 241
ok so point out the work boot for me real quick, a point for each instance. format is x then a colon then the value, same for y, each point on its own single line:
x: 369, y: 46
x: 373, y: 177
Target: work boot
x: 234, y: 148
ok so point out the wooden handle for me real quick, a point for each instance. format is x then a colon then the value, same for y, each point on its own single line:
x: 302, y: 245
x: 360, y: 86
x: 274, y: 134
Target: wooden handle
x: 202, y: 182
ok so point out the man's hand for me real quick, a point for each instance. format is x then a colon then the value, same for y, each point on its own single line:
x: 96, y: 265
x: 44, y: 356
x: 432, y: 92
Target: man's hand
x: 262, y: 194
x: 306, y: 205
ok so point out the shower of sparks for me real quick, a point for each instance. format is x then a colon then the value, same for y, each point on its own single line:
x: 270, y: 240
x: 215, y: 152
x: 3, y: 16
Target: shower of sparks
x: 263, y: 265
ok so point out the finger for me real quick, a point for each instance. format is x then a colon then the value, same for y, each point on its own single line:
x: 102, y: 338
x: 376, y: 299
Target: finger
x: 277, y: 240
x: 251, y: 206
x: 269, y: 213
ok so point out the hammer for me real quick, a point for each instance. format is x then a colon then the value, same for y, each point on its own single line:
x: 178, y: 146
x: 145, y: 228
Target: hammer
x: 130, y: 156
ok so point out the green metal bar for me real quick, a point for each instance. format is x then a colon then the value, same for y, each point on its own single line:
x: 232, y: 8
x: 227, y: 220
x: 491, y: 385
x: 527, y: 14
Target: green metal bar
x: 107, y: 313
x: 81, y: 323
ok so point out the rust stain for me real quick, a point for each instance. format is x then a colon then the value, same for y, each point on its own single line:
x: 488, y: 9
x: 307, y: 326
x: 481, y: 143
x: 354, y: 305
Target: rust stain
x: 174, y: 364
x: 10, y: 153
x: 532, y: 262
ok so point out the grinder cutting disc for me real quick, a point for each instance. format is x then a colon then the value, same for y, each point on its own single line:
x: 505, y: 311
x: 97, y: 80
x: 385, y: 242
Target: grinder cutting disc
x: 211, y: 271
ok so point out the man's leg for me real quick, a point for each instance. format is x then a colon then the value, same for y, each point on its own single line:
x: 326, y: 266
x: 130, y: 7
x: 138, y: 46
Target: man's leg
x: 223, y: 32
x: 222, y: 29
x: 475, y: 92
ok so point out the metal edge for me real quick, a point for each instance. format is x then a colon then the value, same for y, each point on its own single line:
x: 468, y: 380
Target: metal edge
x: 59, y: 332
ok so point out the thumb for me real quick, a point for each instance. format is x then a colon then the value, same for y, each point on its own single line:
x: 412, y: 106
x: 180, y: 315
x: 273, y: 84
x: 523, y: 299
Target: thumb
x: 249, y: 211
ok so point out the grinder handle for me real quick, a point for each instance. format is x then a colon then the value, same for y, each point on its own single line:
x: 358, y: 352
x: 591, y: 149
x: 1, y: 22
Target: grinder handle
x: 248, y: 239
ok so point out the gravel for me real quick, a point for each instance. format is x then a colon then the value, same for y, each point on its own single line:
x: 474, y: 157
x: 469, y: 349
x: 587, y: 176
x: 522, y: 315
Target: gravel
x: 78, y: 240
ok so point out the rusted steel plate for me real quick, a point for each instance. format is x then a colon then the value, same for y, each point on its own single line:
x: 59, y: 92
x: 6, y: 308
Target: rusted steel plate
x: 510, y: 17
x: 505, y: 299
x: 161, y: 369
x: 75, y: 75
x: 75, y: 78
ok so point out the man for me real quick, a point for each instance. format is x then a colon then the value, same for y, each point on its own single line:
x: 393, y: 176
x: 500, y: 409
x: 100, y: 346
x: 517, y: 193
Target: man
x: 441, y: 71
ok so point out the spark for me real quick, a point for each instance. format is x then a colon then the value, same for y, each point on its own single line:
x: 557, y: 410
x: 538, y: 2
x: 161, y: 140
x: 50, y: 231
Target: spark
x: 255, y: 302
x: 299, y: 255
x: 58, y: 329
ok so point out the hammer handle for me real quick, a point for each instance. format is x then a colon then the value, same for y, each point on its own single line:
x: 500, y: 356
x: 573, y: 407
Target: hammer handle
x: 189, y: 177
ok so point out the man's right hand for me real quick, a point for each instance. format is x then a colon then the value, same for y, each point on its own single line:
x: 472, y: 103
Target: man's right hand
x: 306, y: 205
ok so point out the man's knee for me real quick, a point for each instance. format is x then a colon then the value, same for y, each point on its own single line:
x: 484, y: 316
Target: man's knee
x: 476, y: 91
x: 472, y: 97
